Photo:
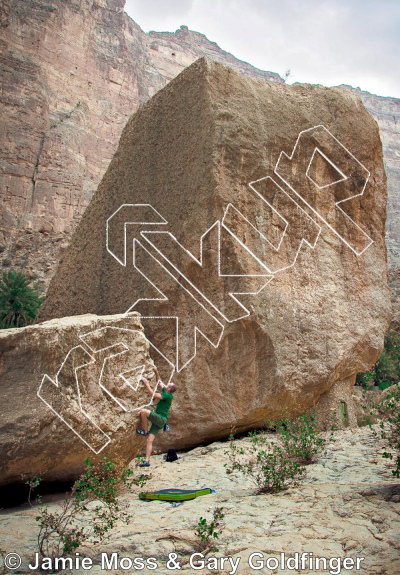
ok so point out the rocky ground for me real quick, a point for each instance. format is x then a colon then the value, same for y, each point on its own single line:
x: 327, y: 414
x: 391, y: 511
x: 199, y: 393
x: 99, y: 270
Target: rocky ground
x: 348, y: 506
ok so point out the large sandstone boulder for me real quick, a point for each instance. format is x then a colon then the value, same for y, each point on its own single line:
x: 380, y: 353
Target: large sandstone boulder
x: 63, y: 398
x: 316, y: 269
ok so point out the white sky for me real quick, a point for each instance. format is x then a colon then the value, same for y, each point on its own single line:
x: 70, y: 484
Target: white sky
x: 330, y: 42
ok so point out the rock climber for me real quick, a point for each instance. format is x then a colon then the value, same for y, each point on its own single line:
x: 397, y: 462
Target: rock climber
x: 159, y: 417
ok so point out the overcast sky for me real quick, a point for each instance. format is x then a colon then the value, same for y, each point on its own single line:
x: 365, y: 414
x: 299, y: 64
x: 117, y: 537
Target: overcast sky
x: 330, y: 42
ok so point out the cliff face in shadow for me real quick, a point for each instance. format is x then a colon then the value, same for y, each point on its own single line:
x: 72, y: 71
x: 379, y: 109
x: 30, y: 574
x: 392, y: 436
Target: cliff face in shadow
x: 72, y: 73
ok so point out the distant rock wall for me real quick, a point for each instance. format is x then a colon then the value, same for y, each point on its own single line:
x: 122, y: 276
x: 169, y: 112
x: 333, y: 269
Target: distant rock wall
x: 72, y: 73
x: 386, y: 112
x: 170, y: 52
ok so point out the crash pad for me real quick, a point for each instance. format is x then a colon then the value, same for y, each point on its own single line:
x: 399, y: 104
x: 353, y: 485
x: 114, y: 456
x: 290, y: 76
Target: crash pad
x: 174, y: 494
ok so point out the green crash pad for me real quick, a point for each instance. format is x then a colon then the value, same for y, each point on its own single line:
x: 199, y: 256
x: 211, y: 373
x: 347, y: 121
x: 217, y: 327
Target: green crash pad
x: 174, y: 494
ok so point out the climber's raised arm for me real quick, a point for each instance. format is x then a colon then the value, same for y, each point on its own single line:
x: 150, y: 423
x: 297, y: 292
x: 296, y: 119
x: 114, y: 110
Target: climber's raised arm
x: 149, y: 390
x: 158, y: 378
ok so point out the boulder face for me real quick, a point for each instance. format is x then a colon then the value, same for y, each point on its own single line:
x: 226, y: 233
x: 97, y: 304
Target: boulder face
x: 314, y: 302
x: 63, y: 398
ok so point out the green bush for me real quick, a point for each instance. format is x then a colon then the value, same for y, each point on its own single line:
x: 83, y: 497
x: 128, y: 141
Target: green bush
x: 275, y: 465
x: 389, y: 412
x: 300, y: 437
x: 19, y: 302
x: 386, y: 374
x: 88, y: 513
x: 206, y: 532
x: 365, y: 379
x: 266, y: 463
x: 386, y: 370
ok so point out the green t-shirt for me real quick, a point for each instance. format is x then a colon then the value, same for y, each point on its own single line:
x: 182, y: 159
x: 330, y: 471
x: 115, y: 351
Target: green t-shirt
x: 164, y: 404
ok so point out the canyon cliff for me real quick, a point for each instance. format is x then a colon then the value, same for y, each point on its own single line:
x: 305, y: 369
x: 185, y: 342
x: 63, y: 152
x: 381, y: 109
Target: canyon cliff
x: 386, y: 112
x: 72, y: 73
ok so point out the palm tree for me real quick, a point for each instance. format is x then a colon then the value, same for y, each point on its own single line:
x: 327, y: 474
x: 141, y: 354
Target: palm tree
x: 19, y: 302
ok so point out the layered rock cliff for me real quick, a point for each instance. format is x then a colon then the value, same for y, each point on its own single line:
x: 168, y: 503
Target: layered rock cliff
x: 72, y: 73
x: 386, y: 112
x: 170, y: 52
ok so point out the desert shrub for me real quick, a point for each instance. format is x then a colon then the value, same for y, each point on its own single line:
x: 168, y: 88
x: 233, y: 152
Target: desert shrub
x: 275, y: 465
x: 388, y: 410
x: 301, y: 438
x: 19, y: 302
x: 266, y: 463
x: 365, y: 379
x: 386, y: 370
x: 207, y: 532
x: 387, y: 375
x: 87, y: 515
